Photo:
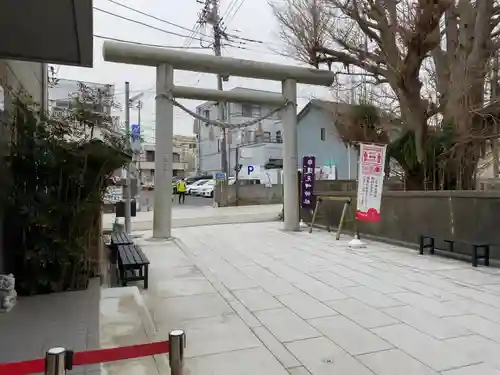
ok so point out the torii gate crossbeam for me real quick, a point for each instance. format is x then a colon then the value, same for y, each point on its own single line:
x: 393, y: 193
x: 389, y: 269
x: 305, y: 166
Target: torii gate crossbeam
x: 165, y: 61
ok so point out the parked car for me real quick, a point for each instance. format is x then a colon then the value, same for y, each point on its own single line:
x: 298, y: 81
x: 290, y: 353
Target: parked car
x: 207, y: 190
x: 191, y: 180
x: 194, y: 185
x: 195, y: 190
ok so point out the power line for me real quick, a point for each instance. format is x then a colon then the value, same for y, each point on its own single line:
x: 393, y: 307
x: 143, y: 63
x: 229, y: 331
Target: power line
x: 142, y: 23
x: 234, y: 13
x: 154, y: 17
x: 144, y: 44
x: 228, y: 9
x: 192, y: 32
x: 191, y: 36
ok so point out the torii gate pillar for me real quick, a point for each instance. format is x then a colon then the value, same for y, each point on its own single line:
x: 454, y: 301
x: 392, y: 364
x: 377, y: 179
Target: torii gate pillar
x: 164, y: 132
x: 166, y: 60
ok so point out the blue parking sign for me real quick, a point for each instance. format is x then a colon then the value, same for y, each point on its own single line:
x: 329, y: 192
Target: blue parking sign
x: 136, y: 132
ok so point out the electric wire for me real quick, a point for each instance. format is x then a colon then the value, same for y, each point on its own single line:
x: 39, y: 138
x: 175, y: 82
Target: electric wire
x: 144, y: 44
x: 154, y: 17
x: 142, y: 23
x: 231, y: 17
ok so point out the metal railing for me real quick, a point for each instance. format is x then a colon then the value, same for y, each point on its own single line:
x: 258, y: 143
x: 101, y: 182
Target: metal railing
x: 59, y: 360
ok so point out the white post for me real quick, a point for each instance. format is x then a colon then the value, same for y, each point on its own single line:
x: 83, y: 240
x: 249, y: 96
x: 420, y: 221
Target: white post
x: 290, y: 164
x: 349, y: 161
x: 162, y: 215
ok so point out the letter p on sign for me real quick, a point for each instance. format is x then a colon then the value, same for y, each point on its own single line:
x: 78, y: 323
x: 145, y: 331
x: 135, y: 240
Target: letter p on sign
x: 250, y: 169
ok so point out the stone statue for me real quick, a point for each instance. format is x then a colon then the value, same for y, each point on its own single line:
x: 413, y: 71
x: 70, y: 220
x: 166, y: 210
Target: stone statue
x: 8, y: 293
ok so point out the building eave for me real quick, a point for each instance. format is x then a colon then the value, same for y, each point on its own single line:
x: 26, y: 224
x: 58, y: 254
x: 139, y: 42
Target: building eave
x: 57, y: 32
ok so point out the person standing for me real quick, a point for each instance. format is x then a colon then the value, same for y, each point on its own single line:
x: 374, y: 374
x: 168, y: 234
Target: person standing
x: 181, y: 190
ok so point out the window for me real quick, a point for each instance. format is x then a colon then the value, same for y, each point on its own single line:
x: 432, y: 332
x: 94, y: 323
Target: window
x: 62, y: 104
x: 218, y: 145
x: 279, y: 138
x: 2, y: 99
x: 267, y: 137
x: 244, y: 136
x: 206, y: 114
x: 323, y: 134
x: 250, y: 110
x: 150, y: 156
x: 176, y: 157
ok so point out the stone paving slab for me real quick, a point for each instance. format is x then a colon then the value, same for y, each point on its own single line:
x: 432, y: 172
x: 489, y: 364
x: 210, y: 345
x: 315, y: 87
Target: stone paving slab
x: 254, y: 299
x: 38, y: 323
x: 124, y: 321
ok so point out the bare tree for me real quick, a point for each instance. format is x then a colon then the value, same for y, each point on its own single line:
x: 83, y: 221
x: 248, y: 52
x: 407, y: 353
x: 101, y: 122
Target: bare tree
x: 392, y: 41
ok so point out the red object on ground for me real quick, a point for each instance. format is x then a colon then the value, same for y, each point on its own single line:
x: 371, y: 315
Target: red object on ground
x: 89, y: 358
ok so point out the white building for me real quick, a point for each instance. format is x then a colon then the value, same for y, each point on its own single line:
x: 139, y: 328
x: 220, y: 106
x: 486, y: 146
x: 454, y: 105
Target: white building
x: 256, y: 144
x: 64, y: 91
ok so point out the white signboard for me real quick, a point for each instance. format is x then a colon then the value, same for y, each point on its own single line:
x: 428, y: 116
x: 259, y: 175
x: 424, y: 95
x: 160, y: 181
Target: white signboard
x: 113, y: 194
x: 249, y: 172
x: 327, y: 172
x: 370, y: 182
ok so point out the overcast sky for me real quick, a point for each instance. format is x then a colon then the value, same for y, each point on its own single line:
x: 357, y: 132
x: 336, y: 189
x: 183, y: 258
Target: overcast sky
x: 251, y: 19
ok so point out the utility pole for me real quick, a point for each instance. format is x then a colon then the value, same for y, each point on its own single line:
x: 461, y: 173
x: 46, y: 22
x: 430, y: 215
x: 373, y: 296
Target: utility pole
x: 126, y: 188
x: 138, y: 155
x: 212, y: 17
x: 493, y: 97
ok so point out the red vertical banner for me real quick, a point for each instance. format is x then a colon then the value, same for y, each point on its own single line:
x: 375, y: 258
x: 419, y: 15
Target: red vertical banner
x: 370, y: 181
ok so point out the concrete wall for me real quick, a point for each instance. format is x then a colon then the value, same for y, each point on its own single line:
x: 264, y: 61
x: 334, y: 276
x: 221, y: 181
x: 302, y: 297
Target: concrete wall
x: 16, y: 75
x: 466, y: 215
x: 21, y: 75
x: 248, y: 195
x: 331, y: 149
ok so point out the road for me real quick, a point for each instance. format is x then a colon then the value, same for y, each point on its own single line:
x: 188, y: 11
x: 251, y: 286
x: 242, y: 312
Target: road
x: 147, y: 199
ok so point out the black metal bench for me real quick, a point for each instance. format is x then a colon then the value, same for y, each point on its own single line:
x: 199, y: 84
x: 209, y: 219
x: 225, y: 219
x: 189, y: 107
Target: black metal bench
x: 132, y: 264
x: 429, y: 242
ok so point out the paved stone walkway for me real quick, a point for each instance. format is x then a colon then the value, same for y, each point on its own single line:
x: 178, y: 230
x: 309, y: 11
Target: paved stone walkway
x: 256, y: 300
x: 197, y: 216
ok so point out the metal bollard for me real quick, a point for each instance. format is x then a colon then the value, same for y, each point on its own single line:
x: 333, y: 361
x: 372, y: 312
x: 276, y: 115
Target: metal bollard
x: 55, y: 361
x: 177, y: 341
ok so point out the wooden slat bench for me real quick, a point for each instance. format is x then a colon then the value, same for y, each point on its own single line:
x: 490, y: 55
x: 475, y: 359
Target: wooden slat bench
x: 120, y: 238
x: 132, y: 264
x: 117, y: 239
x: 480, y: 249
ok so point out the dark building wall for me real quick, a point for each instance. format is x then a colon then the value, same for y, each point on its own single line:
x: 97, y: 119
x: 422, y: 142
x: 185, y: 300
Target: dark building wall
x: 15, y: 76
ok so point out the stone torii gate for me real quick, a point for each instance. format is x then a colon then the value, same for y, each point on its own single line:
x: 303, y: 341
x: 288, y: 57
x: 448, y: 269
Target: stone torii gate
x: 165, y: 61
